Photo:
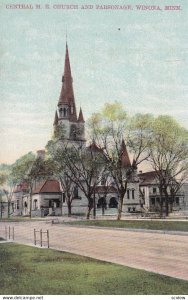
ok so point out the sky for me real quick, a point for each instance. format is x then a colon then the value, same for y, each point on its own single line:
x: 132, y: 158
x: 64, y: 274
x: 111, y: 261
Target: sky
x: 136, y: 57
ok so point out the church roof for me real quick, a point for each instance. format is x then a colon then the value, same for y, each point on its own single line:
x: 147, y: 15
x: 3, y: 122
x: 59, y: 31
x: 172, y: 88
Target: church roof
x: 80, y: 117
x: 93, y: 147
x: 67, y: 93
x: 47, y: 186
x: 56, y: 119
x: 125, y: 161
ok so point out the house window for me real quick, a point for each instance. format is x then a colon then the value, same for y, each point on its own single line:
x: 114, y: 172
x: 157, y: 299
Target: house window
x: 63, y: 198
x: 57, y: 203
x: 153, y: 201
x: 132, y: 194
x: 35, y: 204
x: 18, y: 206
x: 76, y: 192
x: 177, y: 200
x: 154, y: 190
x: 128, y: 194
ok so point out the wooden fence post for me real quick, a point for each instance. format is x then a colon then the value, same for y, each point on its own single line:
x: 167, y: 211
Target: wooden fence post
x: 48, y: 238
x: 41, y: 237
x: 5, y: 232
x: 35, y: 242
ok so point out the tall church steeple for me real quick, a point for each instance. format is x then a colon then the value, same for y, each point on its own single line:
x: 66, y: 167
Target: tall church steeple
x: 66, y: 104
x: 66, y: 116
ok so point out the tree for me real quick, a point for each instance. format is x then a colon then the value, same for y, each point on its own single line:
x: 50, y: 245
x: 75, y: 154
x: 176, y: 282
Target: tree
x: 61, y: 171
x: 110, y: 129
x: 80, y: 167
x: 3, y: 179
x: 139, y: 136
x: 30, y: 169
x: 8, y: 185
x: 168, y: 155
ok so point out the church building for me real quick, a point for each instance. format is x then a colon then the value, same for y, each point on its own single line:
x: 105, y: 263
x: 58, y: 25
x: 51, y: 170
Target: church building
x: 48, y: 198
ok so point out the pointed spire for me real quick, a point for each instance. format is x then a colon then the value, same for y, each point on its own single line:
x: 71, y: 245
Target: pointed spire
x: 80, y: 117
x: 93, y: 147
x: 56, y: 119
x: 67, y: 68
x: 67, y: 93
x: 125, y: 161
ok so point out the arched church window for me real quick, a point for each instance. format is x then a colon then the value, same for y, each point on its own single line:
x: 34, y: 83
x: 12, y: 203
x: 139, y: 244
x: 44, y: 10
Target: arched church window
x: 64, y: 112
x: 35, y: 204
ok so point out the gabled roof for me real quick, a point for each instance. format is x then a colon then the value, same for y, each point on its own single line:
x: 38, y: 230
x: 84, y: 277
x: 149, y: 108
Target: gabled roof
x: 21, y: 187
x: 47, y: 186
x: 148, y: 178
x: 125, y: 161
x: 93, y: 147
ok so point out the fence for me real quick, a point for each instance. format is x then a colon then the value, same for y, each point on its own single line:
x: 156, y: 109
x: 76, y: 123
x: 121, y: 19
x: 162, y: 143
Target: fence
x: 9, y: 233
x: 39, y: 237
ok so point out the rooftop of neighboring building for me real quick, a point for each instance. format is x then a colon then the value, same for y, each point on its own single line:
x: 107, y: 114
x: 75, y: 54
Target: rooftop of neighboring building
x: 23, y: 186
x: 147, y: 178
x: 47, y: 186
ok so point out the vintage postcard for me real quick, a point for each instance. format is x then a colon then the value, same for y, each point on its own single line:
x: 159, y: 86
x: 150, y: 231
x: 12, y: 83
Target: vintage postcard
x: 94, y: 148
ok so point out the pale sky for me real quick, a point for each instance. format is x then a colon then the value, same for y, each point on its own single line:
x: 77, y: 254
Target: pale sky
x: 139, y: 58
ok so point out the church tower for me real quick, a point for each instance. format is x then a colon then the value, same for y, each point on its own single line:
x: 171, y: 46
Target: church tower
x: 66, y: 116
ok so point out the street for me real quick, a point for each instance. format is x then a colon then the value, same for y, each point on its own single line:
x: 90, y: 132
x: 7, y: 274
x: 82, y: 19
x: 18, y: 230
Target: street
x: 156, y: 252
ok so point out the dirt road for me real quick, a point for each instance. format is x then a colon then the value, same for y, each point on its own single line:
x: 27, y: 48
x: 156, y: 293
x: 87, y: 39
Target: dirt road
x: 157, y: 252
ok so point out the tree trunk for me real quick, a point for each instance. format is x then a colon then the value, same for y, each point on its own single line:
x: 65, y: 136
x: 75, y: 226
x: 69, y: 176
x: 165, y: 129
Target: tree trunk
x: 166, y: 203
x: 171, y: 202
x: 161, y: 202
x: 69, y: 209
x: 166, y: 207
x: 88, y: 213
x: 1, y: 210
x: 30, y: 200
x: 8, y: 212
x: 120, y: 207
x: 94, y: 209
x: 90, y: 206
x: 103, y: 209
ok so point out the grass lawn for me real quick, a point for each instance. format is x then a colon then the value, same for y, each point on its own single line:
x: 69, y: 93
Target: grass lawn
x: 141, y: 224
x: 27, y: 270
x: 19, y: 219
